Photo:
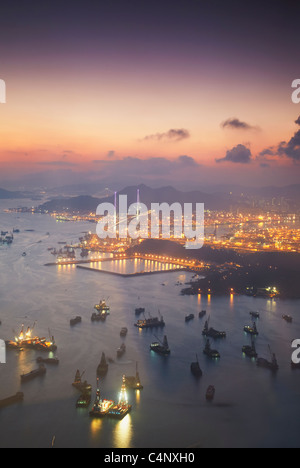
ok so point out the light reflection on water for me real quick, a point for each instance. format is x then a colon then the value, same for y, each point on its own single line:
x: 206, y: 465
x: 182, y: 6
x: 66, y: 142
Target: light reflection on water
x: 123, y: 431
x: 251, y: 406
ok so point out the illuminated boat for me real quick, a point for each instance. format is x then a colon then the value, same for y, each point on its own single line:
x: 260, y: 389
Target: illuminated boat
x: 101, y: 407
x: 103, y: 310
x: 212, y: 333
x: 26, y: 340
x: 251, y: 330
x: 120, y: 410
x: 102, y: 306
x: 211, y: 353
x: 161, y: 347
x: 84, y: 400
x: 134, y: 382
x: 250, y: 351
x: 153, y: 322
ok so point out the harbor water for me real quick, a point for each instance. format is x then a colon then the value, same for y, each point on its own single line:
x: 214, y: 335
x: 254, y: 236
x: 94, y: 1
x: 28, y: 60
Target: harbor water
x: 252, y: 406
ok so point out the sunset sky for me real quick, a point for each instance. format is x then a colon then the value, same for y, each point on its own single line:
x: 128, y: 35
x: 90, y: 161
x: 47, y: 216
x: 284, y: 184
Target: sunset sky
x: 192, y: 92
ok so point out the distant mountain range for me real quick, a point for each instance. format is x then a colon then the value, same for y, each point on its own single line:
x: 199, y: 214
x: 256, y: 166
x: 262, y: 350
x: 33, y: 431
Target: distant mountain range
x: 147, y: 196
x: 6, y: 194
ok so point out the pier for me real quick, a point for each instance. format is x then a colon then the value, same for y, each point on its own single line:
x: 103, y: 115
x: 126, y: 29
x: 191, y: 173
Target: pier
x: 131, y: 275
x: 178, y: 263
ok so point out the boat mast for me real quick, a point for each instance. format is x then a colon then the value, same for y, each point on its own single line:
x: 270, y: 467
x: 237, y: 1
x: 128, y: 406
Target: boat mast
x: 123, y: 400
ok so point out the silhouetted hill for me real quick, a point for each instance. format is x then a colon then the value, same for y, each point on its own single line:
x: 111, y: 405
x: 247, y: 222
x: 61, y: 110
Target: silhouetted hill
x: 147, y: 196
x: 6, y: 194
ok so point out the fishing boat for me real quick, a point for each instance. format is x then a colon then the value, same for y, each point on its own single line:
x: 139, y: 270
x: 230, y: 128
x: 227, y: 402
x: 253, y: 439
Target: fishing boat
x: 34, y: 373
x: 255, y: 315
x: 250, y: 351
x: 84, y: 400
x: 75, y: 321
x: 196, y: 369
x: 121, y: 351
x: 212, y: 333
x: 120, y: 410
x: 210, y: 393
x: 161, y: 347
x: 134, y: 382
x: 150, y: 323
x: 287, y: 318
x: 251, y: 330
x: 124, y: 332
x: 101, y: 407
x: 202, y: 314
x: 83, y: 387
x: 102, y: 369
x: 211, y: 353
x: 189, y: 317
x: 271, y: 365
x: 17, y: 398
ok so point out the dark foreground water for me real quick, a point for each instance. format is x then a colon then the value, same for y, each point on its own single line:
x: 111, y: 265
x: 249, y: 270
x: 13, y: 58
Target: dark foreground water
x: 252, y: 407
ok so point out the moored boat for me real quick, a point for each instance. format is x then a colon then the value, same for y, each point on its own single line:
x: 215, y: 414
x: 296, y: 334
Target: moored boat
x: 121, y: 351
x: 251, y: 330
x: 210, y: 393
x: 196, y: 369
x: 161, y: 347
x: 150, y: 323
x: 34, y: 373
x: 101, y: 407
x: 52, y: 361
x: 202, y: 314
x: 17, y: 398
x: 75, y: 321
x: 120, y: 410
x: 211, y: 353
x: 102, y: 369
x: 189, y: 317
x: 211, y: 332
x: 134, y: 382
x: 83, y: 387
x: 271, y: 365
